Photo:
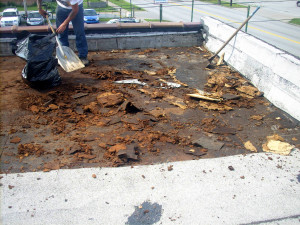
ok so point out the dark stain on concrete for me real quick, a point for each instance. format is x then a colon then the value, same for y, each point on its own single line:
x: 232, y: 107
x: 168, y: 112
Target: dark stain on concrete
x: 146, y: 213
x: 298, y: 178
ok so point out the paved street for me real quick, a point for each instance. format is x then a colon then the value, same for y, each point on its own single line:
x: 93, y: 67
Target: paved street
x: 270, y: 24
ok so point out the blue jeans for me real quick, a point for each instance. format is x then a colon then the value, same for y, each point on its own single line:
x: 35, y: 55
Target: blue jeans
x: 78, y: 27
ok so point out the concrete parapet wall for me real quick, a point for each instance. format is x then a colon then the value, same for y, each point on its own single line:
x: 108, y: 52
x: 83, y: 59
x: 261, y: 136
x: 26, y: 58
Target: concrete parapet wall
x: 273, y: 71
x: 145, y: 40
x: 120, y: 35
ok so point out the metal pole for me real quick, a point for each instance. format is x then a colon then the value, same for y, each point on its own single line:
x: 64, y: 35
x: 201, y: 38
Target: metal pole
x: 192, y: 10
x: 120, y: 12
x: 25, y: 7
x: 130, y: 9
x: 248, y: 12
x: 230, y: 3
x: 160, y: 12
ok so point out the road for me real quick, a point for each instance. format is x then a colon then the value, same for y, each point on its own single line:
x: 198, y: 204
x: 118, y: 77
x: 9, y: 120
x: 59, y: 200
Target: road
x: 266, y: 25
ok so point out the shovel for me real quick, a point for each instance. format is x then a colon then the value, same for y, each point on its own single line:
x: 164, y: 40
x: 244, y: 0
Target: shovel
x: 208, y: 64
x: 67, y: 59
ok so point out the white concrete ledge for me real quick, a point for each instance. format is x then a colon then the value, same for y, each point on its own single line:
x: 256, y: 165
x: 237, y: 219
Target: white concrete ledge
x: 262, y: 189
x: 273, y: 71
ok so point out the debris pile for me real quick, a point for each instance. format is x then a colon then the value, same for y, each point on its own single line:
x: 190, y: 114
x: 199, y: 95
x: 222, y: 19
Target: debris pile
x: 135, y: 107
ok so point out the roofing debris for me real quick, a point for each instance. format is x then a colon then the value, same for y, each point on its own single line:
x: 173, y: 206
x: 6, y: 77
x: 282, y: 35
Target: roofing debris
x: 125, y: 109
x: 276, y: 144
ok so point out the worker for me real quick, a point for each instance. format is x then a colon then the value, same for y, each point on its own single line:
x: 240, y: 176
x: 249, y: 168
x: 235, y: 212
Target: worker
x: 66, y: 11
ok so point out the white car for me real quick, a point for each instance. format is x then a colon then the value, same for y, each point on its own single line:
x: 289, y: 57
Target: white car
x: 124, y: 20
x: 10, y: 17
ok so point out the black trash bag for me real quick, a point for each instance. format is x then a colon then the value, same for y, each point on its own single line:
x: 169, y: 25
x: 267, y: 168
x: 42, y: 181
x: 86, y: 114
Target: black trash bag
x: 41, y: 70
x: 41, y: 75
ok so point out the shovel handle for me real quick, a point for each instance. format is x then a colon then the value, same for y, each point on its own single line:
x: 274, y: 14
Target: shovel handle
x: 57, y: 40
x: 237, y: 30
x: 53, y: 31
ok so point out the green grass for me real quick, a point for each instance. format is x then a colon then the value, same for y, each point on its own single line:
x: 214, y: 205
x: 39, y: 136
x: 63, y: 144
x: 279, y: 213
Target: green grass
x: 225, y: 3
x: 126, y: 5
x: 106, y: 9
x: 105, y: 19
x: 156, y: 20
x: 295, y: 21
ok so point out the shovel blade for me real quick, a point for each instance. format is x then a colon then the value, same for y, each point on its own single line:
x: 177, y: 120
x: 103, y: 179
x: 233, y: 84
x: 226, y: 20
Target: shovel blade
x: 68, y: 60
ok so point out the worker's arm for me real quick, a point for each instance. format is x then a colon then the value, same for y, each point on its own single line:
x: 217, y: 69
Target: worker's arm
x: 41, y: 11
x: 71, y: 16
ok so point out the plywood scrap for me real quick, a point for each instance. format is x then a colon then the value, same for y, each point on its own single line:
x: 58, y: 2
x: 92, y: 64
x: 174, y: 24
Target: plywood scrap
x: 257, y: 117
x: 109, y: 99
x: 219, y: 79
x: 275, y: 137
x: 176, y: 101
x: 249, y: 90
x: 276, y: 144
x: 278, y: 147
x: 204, y: 97
x: 198, y: 47
x: 214, y: 106
x: 151, y: 73
x: 249, y: 146
x: 153, y: 94
x: 158, y: 112
x: 221, y: 59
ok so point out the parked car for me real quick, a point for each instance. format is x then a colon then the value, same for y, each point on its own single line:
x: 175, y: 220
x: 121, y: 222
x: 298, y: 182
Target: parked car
x: 10, y: 17
x: 35, y: 18
x: 124, y: 20
x: 90, y: 16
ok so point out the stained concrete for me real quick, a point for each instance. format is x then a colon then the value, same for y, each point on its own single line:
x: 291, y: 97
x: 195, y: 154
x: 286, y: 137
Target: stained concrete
x: 261, y: 189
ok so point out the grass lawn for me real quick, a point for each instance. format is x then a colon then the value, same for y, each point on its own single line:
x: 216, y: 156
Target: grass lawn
x: 126, y: 5
x: 156, y: 20
x: 295, y: 21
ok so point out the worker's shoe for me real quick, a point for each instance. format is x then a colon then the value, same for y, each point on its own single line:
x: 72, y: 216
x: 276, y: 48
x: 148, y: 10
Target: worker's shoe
x: 85, y: 61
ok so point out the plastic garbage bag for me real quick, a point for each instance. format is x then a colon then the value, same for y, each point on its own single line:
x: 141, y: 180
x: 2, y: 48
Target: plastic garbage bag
x: 40, y: 71
x: 42, y: 75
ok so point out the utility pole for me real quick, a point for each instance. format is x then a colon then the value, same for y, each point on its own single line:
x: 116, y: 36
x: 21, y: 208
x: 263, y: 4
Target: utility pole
x: 25, y: 7
x: 192, y: 10
x: 160, y: 12
x: 248, y: 12
x: 130, y: 9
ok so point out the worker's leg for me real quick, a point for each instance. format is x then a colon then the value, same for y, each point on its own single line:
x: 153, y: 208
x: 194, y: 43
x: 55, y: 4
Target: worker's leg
x: 61, y: 16
x: 78, y: 27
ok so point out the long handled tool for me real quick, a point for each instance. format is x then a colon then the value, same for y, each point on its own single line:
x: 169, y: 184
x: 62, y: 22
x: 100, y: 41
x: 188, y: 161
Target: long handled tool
x: 67, y: 59
x: 229, y: 39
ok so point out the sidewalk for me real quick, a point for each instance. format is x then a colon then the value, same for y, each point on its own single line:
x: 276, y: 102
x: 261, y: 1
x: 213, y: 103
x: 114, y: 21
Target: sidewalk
x: 254, y: 189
